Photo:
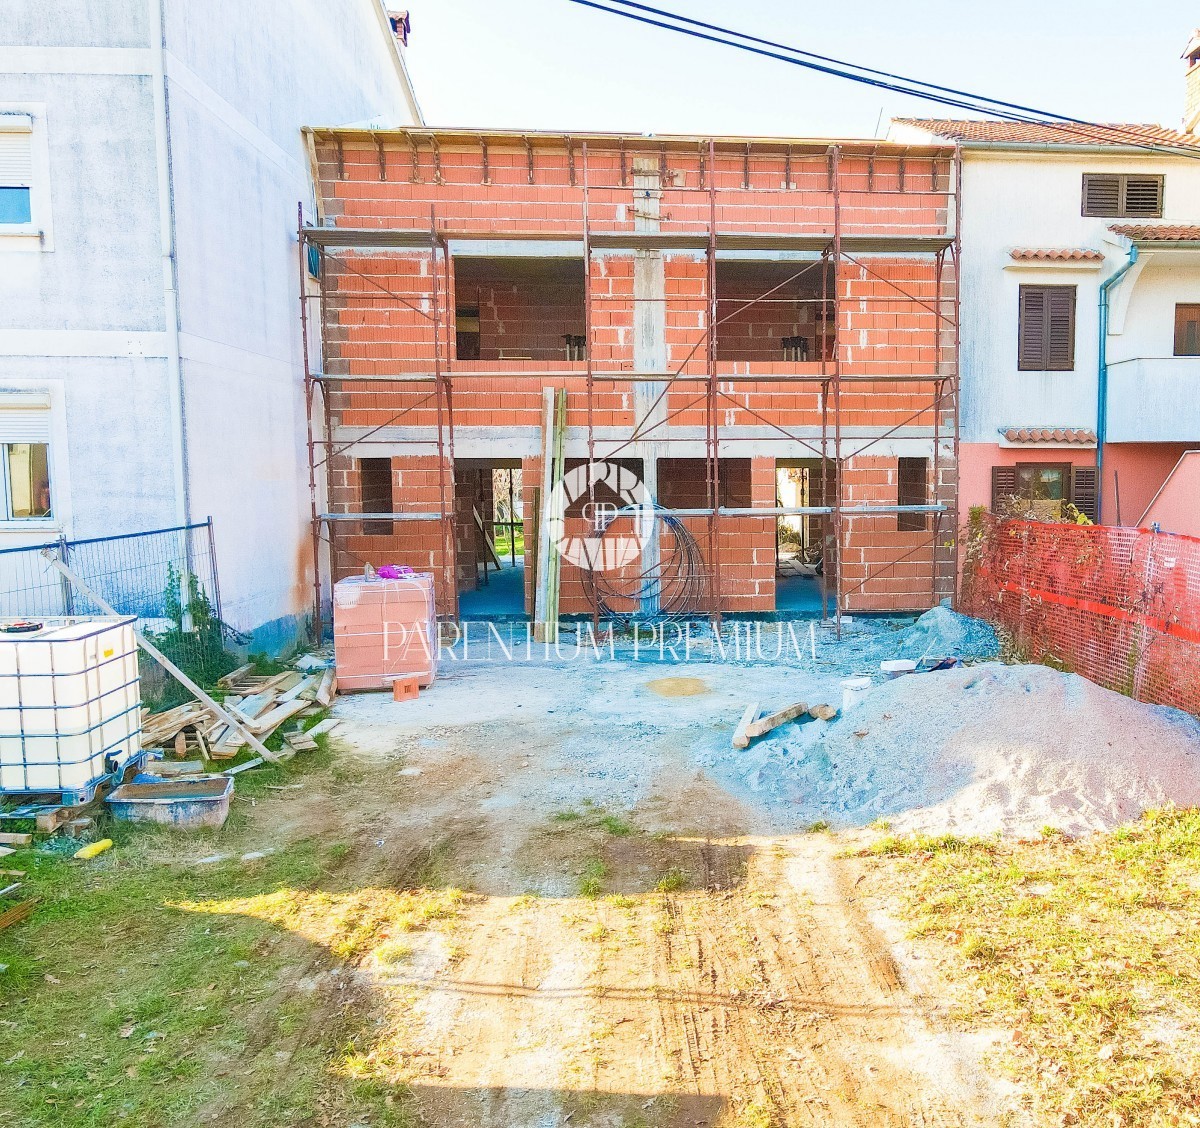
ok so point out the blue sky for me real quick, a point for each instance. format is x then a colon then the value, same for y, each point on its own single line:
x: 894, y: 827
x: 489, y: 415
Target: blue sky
x: 551, y: 64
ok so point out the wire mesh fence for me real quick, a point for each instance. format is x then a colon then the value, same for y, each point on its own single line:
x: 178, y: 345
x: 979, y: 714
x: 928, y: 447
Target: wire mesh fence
x: 166, y: 577
x: 1120, y: 606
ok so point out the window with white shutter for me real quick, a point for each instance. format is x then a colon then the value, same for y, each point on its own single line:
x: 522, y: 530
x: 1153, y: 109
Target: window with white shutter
x: 16, y: 170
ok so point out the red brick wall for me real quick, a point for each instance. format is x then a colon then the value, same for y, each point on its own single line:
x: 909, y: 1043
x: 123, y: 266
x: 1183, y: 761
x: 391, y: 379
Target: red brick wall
x: 871, y: 199
x: 417, y: 544
x: 884, y: 568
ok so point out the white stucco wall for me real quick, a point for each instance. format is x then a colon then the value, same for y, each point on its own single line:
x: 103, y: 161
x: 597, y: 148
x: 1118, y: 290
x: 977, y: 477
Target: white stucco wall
x: 241, y: 83
x: 1032, y: 200
x: 87, y: 309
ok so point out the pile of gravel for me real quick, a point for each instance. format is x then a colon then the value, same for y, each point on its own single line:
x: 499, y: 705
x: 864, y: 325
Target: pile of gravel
x: 982, y: 749
x: 939, y: 633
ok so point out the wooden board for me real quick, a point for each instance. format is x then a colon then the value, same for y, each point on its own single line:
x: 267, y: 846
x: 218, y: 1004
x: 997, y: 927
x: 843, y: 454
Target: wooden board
x: 766, y: 724
x: 740, y: 739
x: 234, y: 675
x: 269, y: 722
x: 15, y: 839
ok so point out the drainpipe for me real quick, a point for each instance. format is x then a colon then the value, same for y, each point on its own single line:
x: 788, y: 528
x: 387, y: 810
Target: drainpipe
x: 166, y: 222
x: 1102, y: 382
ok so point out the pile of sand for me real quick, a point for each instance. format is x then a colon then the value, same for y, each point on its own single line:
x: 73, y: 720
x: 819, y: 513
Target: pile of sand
x: 983, y: 749
x: 939, y: 633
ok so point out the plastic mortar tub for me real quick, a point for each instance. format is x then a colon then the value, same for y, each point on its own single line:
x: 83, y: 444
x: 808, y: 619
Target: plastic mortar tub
x: 186, y: 804
x: 854, y: 690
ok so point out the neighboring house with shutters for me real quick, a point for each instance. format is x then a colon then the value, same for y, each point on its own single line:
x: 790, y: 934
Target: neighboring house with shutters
x: 151, y: 166
x: 1063, y: 228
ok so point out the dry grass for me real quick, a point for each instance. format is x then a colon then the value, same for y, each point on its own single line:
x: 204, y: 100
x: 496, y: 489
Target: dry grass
x: 1088, y: 951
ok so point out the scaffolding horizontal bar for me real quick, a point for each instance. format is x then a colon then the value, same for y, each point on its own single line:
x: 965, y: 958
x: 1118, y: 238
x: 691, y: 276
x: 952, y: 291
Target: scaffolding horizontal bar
x: 636, y: 377
x: 417, y: 239
x: 812, y: 511
x: 379, y: 517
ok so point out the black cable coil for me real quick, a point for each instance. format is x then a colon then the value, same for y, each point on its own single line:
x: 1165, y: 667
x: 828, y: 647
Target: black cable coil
x: 670, y: 590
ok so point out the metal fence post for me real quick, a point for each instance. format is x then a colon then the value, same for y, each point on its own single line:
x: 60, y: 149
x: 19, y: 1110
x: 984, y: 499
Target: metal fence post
x: 212, y: 561
x: 67, y: 590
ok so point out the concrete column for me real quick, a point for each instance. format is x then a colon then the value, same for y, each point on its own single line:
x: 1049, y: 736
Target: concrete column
x: 649, y: 341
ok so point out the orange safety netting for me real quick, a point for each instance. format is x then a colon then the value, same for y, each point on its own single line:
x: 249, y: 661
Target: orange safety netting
x: 1120, y: 606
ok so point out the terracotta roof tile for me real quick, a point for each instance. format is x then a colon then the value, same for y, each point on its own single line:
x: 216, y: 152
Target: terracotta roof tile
x: 1150, y: 232
x: 1057, y: 254
x: 1055, y: 133
x: 1078, y: 435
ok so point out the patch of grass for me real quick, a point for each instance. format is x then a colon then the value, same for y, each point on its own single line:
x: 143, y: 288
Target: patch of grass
x: 916, y: 845
x: 146, y: 989
x: 569, y: 816
x: 591, y: 881
x: 672, y: 881
x: 1087, y: 949
x: 392, y: 952
x: 621, y: 901
x: 821, y: 826
x: 617, y: 826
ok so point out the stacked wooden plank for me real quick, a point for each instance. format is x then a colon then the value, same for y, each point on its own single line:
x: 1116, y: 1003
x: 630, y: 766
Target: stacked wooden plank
x: 261, y: 702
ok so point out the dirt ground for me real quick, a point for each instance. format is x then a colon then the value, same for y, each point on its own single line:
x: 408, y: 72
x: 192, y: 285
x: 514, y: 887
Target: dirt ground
x: 633, y: 945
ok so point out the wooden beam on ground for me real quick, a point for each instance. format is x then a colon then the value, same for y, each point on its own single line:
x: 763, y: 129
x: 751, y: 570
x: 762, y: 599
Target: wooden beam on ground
x: 766, y: 724
x: 227, y: 681
x: 740, y: 739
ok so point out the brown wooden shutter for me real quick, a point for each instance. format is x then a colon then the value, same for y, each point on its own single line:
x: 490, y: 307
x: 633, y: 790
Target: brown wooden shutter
x: 1046, y: 329
x: 1031, y: 329
x: 1101, y: 195
x: 1187, y: 329
x: 1112, y: 195
x: 1143, y: 196
x: 1083, y: 491
x: 1060, y: 333
x: 1004, y: 486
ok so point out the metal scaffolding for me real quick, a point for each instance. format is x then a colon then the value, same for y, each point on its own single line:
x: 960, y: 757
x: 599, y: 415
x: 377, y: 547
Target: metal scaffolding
x: 322, y: 245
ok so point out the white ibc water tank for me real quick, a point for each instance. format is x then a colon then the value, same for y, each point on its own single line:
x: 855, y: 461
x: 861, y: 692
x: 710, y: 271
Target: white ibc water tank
x: 70, y: 703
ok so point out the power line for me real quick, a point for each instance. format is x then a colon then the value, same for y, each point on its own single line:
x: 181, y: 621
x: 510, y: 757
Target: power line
x: 947, y: 96
x: 1015, y: 106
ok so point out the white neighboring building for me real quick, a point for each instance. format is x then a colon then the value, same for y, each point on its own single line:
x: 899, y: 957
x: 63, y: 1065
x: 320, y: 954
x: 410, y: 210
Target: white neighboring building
x: 1061, y: 228
x: 151, y: 164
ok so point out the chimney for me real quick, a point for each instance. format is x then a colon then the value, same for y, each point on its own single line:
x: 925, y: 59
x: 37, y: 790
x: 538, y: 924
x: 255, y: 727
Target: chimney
x: 401, y: 26
x: 1191, y: 103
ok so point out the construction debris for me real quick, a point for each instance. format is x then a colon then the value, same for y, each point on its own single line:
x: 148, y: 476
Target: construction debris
x: 259, y: 703
x: 751, y: 726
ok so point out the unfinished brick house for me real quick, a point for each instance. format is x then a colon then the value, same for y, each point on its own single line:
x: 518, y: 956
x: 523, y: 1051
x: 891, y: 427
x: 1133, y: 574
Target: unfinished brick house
x: 763, y: 329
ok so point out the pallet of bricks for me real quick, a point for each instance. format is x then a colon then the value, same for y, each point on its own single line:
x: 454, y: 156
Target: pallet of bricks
x: 263, y: 703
